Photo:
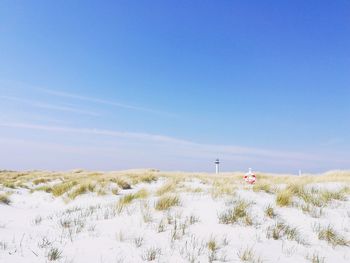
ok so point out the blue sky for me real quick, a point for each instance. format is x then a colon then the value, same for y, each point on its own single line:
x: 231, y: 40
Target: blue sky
x: 175, y: 84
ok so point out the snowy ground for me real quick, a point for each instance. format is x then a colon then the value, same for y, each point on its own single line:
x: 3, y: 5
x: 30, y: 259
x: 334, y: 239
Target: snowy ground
x: 37, y: 227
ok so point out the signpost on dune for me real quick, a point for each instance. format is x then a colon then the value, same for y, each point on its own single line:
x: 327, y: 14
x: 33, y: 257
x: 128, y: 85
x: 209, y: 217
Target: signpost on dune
x: 217, y: 162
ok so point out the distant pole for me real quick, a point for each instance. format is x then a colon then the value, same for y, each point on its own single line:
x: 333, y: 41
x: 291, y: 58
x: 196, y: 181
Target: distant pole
x: 299, y: 172
x: 217, y: 162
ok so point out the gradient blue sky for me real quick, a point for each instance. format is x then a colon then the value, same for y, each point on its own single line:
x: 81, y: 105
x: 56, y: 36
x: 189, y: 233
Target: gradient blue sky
x: 174, y: 84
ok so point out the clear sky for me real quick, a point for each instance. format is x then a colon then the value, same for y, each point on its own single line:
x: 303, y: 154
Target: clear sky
x: 173, y: 85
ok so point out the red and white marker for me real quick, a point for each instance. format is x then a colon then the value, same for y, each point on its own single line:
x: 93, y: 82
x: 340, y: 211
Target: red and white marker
x: 250, y: 177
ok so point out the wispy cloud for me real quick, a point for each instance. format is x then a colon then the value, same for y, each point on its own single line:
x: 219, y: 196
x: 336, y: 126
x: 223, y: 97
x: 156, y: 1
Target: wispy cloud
x: 63, y: 94
x: 103, y: 101
x: 130, y: 135
x: 229, y: 151
x: 48, y: 106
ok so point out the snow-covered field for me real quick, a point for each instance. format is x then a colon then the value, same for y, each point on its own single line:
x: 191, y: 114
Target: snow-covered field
x: 168, y: 217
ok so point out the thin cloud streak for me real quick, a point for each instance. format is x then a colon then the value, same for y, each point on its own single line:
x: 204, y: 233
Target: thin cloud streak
x: 105, y: 102
x: 130, y: 135
x: 229, y: 151
x: 49, y: 106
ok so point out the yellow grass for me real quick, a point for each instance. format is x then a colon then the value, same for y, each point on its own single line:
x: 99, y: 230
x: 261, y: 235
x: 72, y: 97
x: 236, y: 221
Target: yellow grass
x: 41, y: 181
x: 170, y: 186
x: 239, y: 213
x: 62, y: 188
x: 127, y: 199
x: 332, y: 237
x: 284, y: 198
x: 166, y: 202
x: 264, y: 186
x: 81, y: 189
x: 142, y: 193
x: 223, y: 187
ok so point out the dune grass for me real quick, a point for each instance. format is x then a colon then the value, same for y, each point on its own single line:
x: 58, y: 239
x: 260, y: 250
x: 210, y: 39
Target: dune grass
x: 142, y: 193
x: 284, y: 197
x: 165, y: 202
x: 248, y: 255
x: 62, y: 188
x: 328, y: 196
x: 270, y: 212
x: 315, y: 258
x: 147, y: 178
x: 12, y: 179
x: 239, y: 213
x: 128, y: 198
x: 169, y: 186
x: 263, y: 186
x: 332, y: 237
x: 41, y: 181
x: 45, y: 188
x: 313, y: 196
x: 282, y: 230
x: 213, y: 247
x: 4, y: 199
x: 9, y: 185
x: 121, y: 183
x: 54, y: 254
x: 81, y: 189
x: 223, y: 187
x: 115, y: 190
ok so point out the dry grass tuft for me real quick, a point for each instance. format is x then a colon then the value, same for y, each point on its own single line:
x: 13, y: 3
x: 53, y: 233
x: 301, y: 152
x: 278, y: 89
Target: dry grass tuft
x: 213, y: 248
x: 54, y: 254
x: 313, y: 211
x: 315, y: 258
x: 4, y: 199
x: 239, y: 213
x: 81, y: 189
x: 284, y: 198
x: 332, y: 237
x: 121, y: 183
x: 281, y: 230
x: 265, y: 187
x: 314, y: 197
x: 212, y: 245
x: 270, y: 212
x: 328, y: 196
x: 166, y: 202
x: 222, y: 187
x: 147, y: 178
x: 166, y: 188
x: 193, y: 190
x: 41, y: 181
x: 62, y: 188
x: 45, y: 188
x: 9, y: 185
x: 127, y: 199
x: 115, y: 191
x: 248, y: 255
x: 142, y: 194
x: 151, y: 254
